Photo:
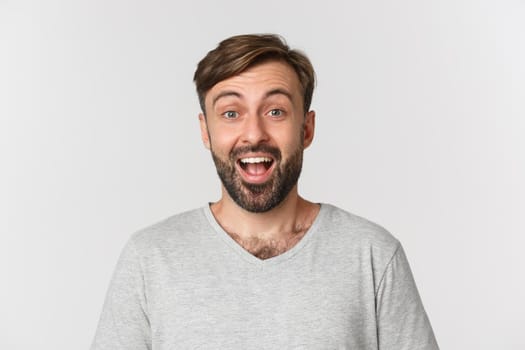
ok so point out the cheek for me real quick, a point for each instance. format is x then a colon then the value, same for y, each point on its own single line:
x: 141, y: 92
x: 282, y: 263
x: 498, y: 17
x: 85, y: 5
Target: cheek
x: 221, y: 143
x: 289, y: 140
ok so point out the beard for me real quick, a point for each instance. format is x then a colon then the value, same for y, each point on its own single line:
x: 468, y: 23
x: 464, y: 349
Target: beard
x: 260, y: 198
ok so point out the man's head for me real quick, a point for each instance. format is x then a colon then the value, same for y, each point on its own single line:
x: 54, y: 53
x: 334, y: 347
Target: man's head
x: 255, y: 95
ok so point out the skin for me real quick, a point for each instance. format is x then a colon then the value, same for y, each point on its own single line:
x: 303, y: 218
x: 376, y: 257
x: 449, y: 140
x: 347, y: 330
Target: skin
x: 262, y: 105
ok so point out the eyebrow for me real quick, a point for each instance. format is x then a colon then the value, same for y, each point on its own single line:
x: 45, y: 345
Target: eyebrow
x: 225, y: 94
x: 279, y: 92
x: 236, y: 94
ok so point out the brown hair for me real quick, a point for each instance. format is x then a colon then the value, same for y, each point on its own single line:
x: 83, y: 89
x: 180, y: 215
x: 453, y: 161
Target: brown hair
x: 238, y: 53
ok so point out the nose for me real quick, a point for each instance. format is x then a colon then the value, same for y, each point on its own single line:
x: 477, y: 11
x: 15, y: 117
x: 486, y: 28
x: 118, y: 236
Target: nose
x: 254, y: 130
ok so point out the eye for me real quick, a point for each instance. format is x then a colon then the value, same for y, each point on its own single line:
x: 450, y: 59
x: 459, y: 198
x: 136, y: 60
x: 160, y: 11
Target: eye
x: 230, y: 114
x: 276, y: 112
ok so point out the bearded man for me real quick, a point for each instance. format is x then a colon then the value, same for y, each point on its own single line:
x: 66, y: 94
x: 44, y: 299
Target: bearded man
x: 261, y: 268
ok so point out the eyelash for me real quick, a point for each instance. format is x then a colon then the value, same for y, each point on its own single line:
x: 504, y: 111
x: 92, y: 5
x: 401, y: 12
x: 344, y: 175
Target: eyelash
x: 228, y: 116
x: 281, y: 112
x: 235, y: 115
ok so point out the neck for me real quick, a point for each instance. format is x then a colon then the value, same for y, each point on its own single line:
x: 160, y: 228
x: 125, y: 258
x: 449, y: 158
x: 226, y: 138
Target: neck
x: 293, y: 215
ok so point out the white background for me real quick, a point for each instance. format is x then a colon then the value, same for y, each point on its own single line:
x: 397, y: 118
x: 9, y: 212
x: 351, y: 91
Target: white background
x: 420, y: 127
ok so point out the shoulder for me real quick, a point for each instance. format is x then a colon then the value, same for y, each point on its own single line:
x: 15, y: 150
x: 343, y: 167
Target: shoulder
x: 178, y: 230
x: 351, y: 236
x: 356, y: 229
x: 354, y: 242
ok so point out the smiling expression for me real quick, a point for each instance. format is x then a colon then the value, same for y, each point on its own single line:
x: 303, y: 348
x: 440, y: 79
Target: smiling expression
x: 256, y: 130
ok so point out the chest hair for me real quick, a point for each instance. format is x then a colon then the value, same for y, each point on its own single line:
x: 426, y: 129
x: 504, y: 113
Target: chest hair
x: 269, y: 248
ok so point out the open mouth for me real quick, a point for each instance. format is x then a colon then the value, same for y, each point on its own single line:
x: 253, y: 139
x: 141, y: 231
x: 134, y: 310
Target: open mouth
x: 256, y: 169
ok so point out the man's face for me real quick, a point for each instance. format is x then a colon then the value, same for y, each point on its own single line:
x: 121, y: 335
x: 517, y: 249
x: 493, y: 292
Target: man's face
x: 256, y: 130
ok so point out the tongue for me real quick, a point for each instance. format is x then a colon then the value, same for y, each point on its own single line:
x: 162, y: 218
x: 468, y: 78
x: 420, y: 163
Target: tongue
x: 255, y: 168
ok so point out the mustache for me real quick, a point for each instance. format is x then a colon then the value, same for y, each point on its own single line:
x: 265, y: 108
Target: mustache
x: 237, y: 152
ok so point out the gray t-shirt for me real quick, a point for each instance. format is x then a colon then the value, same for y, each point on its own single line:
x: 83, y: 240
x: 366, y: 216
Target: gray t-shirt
x: 184, y: 283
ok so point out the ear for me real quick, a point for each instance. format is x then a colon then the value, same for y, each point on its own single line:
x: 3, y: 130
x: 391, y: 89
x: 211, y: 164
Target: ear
x: 204, y: 131
x: 309, y: 128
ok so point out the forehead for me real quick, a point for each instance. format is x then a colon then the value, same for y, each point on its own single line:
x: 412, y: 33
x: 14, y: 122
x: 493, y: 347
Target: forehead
x: 258, y: 80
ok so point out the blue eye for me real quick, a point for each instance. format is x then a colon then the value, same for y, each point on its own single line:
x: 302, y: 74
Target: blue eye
x: 230, y: 114
x: 276, y: 113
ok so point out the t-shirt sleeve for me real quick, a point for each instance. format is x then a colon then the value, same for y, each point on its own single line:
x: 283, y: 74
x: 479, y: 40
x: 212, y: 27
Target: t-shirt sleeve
x: 124, y: 322
x: 402, y: 321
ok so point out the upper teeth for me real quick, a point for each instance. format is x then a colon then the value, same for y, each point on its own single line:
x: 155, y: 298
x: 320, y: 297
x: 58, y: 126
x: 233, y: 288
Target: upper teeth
x: 256, y: 160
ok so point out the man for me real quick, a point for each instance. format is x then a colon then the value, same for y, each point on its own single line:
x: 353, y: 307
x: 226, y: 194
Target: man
x: 262, y: 268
